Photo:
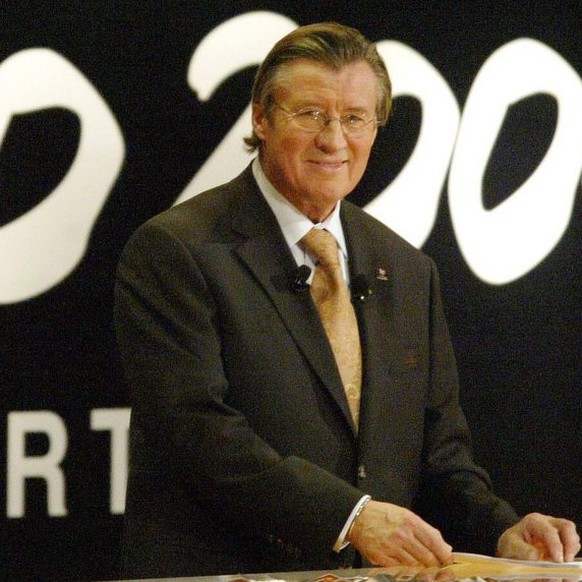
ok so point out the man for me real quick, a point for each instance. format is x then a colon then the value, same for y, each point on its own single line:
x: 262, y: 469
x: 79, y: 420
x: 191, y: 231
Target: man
x: 247, y: 452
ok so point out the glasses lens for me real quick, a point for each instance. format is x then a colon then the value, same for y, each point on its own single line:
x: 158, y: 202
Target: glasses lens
x: 354, y: 124
x: 310, y: 120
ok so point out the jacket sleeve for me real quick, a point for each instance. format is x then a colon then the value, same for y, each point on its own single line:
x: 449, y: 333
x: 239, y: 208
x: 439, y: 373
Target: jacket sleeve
x: 168, y: 331
x: 455, y: 493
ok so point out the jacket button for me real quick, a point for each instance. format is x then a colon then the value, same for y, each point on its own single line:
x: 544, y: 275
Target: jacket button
x: 362, y: 472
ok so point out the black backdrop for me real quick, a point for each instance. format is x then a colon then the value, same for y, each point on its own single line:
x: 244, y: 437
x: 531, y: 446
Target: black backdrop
x: 106, y: 92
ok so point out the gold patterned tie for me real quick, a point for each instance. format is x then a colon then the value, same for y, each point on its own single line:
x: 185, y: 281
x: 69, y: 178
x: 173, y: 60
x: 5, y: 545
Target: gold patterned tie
x: 332, y: 299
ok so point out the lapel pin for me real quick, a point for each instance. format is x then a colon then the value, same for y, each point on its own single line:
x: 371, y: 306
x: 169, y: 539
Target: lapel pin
x: 381, y: 274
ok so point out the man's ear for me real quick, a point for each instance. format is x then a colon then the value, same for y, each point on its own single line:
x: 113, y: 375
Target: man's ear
x: 259, y: 120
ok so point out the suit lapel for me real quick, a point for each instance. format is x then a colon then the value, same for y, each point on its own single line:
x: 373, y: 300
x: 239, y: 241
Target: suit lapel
x: 266, y: 255
x: 368, y: 258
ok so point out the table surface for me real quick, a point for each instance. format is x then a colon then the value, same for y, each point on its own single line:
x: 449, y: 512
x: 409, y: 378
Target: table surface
x: 466, y: 567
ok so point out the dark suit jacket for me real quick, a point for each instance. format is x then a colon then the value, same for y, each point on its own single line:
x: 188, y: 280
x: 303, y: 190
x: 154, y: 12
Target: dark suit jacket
x: 243, y: 454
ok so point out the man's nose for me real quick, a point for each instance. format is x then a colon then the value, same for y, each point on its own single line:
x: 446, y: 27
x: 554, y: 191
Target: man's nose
x: 332, y: 136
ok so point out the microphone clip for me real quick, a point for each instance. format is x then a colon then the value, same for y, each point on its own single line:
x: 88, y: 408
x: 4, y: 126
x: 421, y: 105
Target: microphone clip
x: 299, y: 283
x: 360, y: 288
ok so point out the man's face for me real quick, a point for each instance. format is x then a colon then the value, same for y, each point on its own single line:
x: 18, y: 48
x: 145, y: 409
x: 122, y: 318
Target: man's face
x: 315, y: 170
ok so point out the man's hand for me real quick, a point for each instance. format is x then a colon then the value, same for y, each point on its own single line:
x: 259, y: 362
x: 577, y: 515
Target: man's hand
x: 540, y: 537
x: 388, y: 535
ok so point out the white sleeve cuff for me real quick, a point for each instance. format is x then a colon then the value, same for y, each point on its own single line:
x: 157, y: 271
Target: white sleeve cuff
x: 341, y: 541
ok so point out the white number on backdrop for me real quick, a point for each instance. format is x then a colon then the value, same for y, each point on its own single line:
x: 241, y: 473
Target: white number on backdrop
x: 502, y: 244
x: 409, y: 204
x: 43, y: 246
x: 241, y: 42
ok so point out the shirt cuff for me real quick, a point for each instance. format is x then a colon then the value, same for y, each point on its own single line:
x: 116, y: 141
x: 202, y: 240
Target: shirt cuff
x: 341, y: 541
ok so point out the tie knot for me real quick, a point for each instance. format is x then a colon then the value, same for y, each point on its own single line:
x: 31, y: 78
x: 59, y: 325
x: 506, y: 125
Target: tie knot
x: 322, y: 245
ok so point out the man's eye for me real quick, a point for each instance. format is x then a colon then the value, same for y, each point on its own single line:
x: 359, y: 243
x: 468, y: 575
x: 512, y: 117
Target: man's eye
x: 354, y: 120
x: 311, y: 115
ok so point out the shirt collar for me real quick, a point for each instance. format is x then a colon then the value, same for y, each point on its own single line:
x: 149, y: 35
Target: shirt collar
x: 294, y: 224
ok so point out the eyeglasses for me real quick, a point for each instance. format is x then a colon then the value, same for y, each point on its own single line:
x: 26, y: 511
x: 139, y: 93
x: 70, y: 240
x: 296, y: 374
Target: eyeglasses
x: 314, y: 121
